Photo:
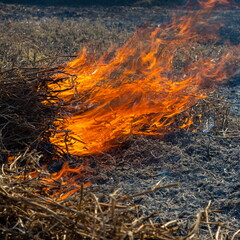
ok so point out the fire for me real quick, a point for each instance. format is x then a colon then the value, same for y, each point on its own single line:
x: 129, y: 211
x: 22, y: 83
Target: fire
x: 135, y: 90
x: 58, y: 185
x: 62, y: 184
x: 212, y: 3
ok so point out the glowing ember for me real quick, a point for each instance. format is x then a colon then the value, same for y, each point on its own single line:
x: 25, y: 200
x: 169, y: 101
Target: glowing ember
x: 136, y: 89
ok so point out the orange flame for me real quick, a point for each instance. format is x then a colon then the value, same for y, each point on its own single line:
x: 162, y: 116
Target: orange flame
x: 58, y: 185
x: 212, y: 3
x: 136, y: 89
x: 64, y: 182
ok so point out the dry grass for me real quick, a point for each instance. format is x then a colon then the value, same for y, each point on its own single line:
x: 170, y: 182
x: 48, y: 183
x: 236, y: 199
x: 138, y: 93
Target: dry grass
x: 91, y: 213
x: 37, y: 43
x: 23, y: 116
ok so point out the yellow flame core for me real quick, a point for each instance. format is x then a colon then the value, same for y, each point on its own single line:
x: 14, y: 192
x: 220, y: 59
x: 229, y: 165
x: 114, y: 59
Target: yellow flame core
x: 136, y: 89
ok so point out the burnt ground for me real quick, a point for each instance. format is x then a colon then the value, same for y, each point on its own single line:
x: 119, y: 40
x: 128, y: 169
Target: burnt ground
x: 205, y: 163
x: 206, y: 166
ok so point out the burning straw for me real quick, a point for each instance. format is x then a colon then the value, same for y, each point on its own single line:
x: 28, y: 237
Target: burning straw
x: 136, y: 89
x: 99, y: 103
x: 28, y: 208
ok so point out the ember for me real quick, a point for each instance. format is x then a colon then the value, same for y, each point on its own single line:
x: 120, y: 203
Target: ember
x: 135, y: 90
